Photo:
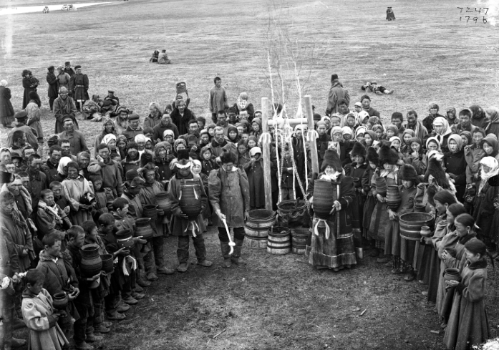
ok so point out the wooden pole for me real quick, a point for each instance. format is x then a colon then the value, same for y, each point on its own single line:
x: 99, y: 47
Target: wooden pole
x: 267, y: 183
x: 312, y: 143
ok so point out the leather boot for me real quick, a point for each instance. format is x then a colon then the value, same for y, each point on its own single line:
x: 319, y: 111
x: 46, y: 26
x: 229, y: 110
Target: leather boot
x: 236, y: 255
x: 224, y: 246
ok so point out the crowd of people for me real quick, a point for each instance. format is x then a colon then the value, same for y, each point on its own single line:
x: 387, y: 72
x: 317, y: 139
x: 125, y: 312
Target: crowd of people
x: 60, y: 194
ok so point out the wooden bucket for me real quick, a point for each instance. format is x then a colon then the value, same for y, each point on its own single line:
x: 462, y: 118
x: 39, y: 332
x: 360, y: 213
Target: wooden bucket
x: 411, y: 223
x: 299, y: 239
x: 279, y: 242
x: 255, y: 242
x: 259, y: 223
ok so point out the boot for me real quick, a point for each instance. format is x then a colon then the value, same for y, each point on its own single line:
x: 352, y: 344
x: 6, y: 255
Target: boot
x: 226, y: 253
x: 236, y: 255
x: 396, y: 267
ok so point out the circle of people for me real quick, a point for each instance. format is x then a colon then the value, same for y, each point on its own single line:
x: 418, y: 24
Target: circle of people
x: 446, y: 165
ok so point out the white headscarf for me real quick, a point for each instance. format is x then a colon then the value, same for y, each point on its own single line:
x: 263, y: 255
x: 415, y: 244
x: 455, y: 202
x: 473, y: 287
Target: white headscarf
x: 64, y: 161
x: 492, y: 163
x: 140, y: 138
x: 107, y: 138
x: 3, y: 82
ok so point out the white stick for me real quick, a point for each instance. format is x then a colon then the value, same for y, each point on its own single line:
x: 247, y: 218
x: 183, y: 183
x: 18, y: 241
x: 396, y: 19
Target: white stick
x: 231, y: 243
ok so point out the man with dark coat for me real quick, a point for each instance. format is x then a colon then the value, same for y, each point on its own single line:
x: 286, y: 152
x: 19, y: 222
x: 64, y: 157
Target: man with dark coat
x: 53, y: 90
x: 181, y: 116
x: 79, y: 85
x: 76, y: 138
x: 133, y: 128
x: 366, y: 105
x: 50, y: 166
x: 336, y: 93
x: 68, y: 69
x: 228, y: 190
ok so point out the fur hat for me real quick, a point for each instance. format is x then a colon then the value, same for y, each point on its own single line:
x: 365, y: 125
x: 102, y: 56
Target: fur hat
x: 408, y: 173
x: 131, y: 174
x: 145, y: 158
x: 228, y: 157
x: 5, y: 177
x: 358, y: 150
x: 388, y: 155
x: 183, y: 154
x: 435, y: 169
x: 372, y: 155
x: 332, y: 159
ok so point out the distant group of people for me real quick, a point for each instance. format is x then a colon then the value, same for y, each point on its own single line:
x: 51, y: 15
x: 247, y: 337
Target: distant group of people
x: 160, y: 58
x: 446, y: 166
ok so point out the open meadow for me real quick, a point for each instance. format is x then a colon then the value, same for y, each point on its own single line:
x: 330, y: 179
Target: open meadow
x: 275, y: 302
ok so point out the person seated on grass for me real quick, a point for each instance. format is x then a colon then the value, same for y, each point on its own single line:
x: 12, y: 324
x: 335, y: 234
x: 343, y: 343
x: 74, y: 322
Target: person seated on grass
x: 92, y: 109
x: 154, y: 57
x: 372, y: 86
x: 163, y: 58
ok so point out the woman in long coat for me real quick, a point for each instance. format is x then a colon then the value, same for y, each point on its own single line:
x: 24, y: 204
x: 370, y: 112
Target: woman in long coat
x: 53, y: 89
x: 486, y: 198
x: 380, y: 222
x: 6, y: 108
x: 468, y: 323
x: 30, y: 83
x: 254, y: 170
x: 332, y: 245
x: 74, y: 188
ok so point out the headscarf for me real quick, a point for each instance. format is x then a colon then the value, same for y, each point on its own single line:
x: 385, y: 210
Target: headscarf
x: 63, y: 162
x: 446, y: 128
x: 360, y: 130
x: 346, y: 130
x: 3, y: 82
x: 434, y: 139
x: 140, y: 138
x: 168, y: 132
x: 458, y: 140
x: 492, y: 163
x: 178, y: 142
x: 392, y: 128
x: 336, y: 130
x: 493, y: 112
x: 107, y: 138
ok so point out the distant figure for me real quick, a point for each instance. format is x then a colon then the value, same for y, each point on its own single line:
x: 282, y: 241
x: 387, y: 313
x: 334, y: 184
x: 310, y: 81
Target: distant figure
x: 46, y: 9
x: 390, y: 15
x: 372, y: 86
x: 68, y: 69
x: 6, y: 108
x: 30, y: 83
x: 154, y: 58
x: 336, y: 93
x: 163, y: 58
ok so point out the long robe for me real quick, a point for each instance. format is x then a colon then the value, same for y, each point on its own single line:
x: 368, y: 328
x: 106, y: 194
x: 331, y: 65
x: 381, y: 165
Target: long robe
x: 45, y: 333
x: 63, y: 108
x: 79, y: 84
x: 73, y: 190
x: 6, y: 108
x: 29, y: 84
x: 380, y: 223
x: 256, y: 187
x: 468, y: 318
x: 334, y: 249
x: 229, y: 193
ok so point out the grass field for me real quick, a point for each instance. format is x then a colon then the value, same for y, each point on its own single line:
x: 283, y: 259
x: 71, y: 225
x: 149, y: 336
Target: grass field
x: 427, y: 54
